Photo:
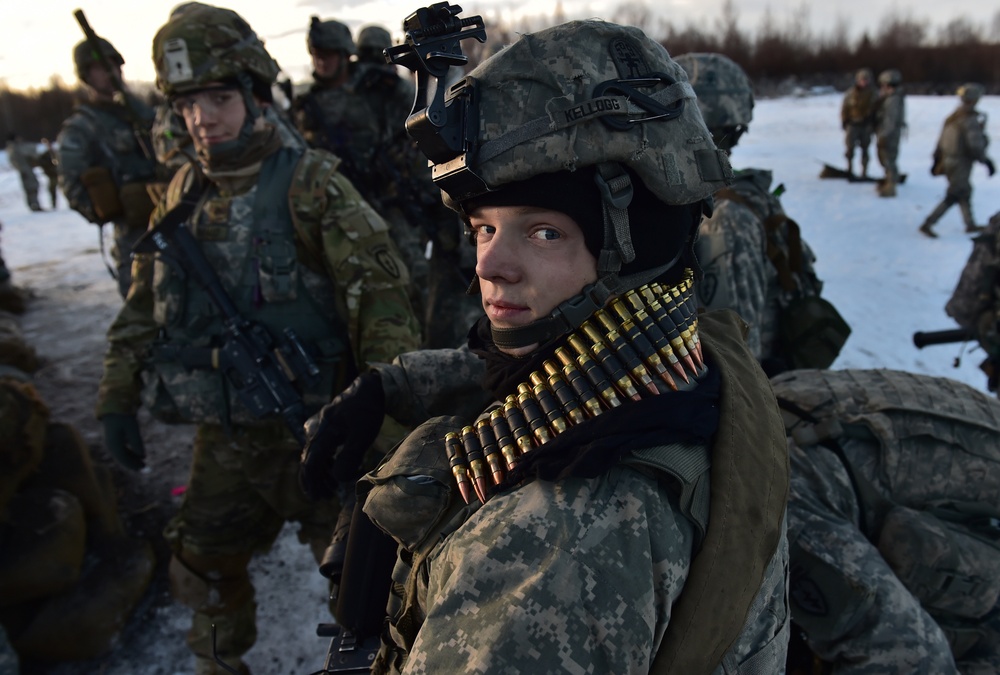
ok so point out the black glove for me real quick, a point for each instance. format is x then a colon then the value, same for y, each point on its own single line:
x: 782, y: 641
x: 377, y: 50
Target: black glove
x: 123, y: 440
x: 338, y: 436
x: 989, y: 167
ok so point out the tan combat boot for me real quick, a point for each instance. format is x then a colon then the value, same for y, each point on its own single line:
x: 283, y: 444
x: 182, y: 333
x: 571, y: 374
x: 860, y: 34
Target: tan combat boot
x: 887, y: 188
x: 926, y: 229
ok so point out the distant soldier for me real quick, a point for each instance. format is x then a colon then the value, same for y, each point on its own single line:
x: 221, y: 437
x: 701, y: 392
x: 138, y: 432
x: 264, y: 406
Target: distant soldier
x: 890, y: 120
x: 962, y: 143
x: 892, y: 521
x: 752, y: 254
x: 103, y: 168
x: 22, y: 156
x: 47, y: 162
x: 857, y: 118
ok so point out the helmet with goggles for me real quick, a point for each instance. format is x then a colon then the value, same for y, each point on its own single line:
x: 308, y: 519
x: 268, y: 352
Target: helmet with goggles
x: 585, y: 98
x: 725, y: 94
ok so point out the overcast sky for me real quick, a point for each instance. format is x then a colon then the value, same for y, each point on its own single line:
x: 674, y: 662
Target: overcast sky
x: 37, y: 37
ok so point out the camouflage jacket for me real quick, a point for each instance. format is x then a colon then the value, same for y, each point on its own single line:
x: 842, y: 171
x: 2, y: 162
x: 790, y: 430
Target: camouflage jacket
x: 583, y: 574
x: 963, y: 139
x: 975, y: 302
x: 100, y: 135
x: 890, y: 119
x: 739, y: 274
x: 858, y: 106
x: 341, y: 246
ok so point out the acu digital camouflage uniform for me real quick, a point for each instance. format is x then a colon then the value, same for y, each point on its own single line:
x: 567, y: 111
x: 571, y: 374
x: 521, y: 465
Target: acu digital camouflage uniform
x: 890, y: 120
x: 296, y: 248
x: 752, y: 255
x: 879, y: 584
x: 22, y: 157
x: 857, y: 118
x: 579, y: 574
x: 100, y: 135
x: 962, y: 143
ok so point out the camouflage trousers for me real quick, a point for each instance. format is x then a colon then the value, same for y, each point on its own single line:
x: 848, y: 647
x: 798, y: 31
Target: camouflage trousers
x: 959, y: 192
x: 241, y: 491
x: 855, y: 612
x: 888, y: 152
x: 29, y: 183
x: 857, y: 136
x: 121, y: 253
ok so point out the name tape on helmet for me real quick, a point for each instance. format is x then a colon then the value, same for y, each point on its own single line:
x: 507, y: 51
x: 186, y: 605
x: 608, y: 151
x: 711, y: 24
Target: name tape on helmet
x: 178, y: 61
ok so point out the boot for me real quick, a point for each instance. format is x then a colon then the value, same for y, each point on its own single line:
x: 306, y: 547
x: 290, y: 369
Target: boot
x: 926, y: 229
x: 971, y: 228
x: 887, y: 188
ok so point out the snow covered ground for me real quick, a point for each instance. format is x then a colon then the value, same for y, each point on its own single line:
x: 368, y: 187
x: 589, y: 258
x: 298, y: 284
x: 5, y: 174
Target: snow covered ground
x: 886, y: 279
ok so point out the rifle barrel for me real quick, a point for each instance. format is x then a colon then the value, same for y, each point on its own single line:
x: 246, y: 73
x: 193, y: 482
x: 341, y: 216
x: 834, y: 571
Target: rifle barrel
x: 942, y: 337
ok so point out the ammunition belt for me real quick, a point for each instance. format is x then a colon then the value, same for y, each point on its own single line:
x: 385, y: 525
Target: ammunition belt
x: 650, y: 332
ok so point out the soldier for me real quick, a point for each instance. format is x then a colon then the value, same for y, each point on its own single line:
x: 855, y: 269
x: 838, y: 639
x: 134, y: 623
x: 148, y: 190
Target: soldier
x: 580, y: 558
x: 892, y: 521
x: 22, y: 157
x: 299, y: 254
x: 890, y: 120
x: 103, y: 166
x: 754, y: 259
x: 47, y: 162
x: 962, y: 143
x: 856, y: 119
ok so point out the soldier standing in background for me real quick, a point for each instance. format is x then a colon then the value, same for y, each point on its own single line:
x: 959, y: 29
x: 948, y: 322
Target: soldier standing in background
x: 890, y: 120
x: 753, y: 257
x: 47, y: 162
x: 856, y: 119
x: 962, y: 143
x: 103, y: 167
x: 299, y: 254
x: 22, y: 157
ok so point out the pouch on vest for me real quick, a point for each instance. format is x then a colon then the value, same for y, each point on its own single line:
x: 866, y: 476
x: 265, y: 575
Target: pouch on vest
x: 103, y: 193
x: 812, y: 332
x: 137, y: 205
x: 411, y: 492
x: 951, y: 566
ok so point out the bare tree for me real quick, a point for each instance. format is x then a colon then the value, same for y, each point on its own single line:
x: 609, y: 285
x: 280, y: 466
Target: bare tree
x: 959, y: 31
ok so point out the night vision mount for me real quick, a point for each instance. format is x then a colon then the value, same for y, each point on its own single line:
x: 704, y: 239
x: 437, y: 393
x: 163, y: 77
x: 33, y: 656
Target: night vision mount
x: 445, y: 130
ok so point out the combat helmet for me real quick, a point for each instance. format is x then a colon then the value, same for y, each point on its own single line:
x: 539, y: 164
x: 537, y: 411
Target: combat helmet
x: 84, y: 56
x: 890, y: 77
x: 205, y: 44
x: 725, y: 95
x: 330, y: 35
x: 970, y: 92
x: 372, y: 40
x: 595, y: 99
x: 863, y: 74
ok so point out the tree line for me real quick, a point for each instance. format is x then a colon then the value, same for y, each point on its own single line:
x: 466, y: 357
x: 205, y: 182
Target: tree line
x: 778, y: 55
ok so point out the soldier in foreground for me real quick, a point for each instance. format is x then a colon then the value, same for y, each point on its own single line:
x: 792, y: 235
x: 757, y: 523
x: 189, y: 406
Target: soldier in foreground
x: 754, y: 259
x: 890, y: 120
x: 573, y: 541
x: 892, y: 521
x: 22, y: 157
x: 103, y: 168
x: 302, y: 261
x: 962, y: 143
x: 857, y: 118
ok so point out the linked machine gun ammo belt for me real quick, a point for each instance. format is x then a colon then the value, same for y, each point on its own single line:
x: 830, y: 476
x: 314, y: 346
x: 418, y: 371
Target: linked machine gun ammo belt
x: 261, y: 369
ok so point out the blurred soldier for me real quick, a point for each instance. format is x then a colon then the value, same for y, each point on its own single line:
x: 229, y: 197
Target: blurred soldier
x: 754, y: 259
x: 890, y: 120
x: 103, y: 167
x: 975, y: 302
x: 892, y: 521
x: 962, y: 143
x: 22, y: 157
x: 583, y: 558
x: 857, y: 118
x: 300, y: 255
x: 47, y: 162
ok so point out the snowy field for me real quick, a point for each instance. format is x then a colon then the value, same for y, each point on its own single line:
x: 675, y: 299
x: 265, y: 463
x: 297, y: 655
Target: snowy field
x: 886, y: 279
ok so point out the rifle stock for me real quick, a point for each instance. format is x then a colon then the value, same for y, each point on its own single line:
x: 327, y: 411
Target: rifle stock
x: 942, y: 337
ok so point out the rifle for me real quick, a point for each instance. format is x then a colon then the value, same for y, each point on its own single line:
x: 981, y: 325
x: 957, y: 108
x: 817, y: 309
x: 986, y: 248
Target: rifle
x: 923, y: 339
x: 261, y: 369
x: 140, y: 127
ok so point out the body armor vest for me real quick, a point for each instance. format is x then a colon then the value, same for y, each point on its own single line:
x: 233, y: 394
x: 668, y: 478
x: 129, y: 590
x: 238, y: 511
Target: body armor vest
x: 123, y: 157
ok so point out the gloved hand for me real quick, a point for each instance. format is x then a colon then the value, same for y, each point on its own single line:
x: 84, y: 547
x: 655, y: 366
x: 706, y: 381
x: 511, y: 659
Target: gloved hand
x: 990, y: 168
x: 123, y: 440
x: 339, y: 434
